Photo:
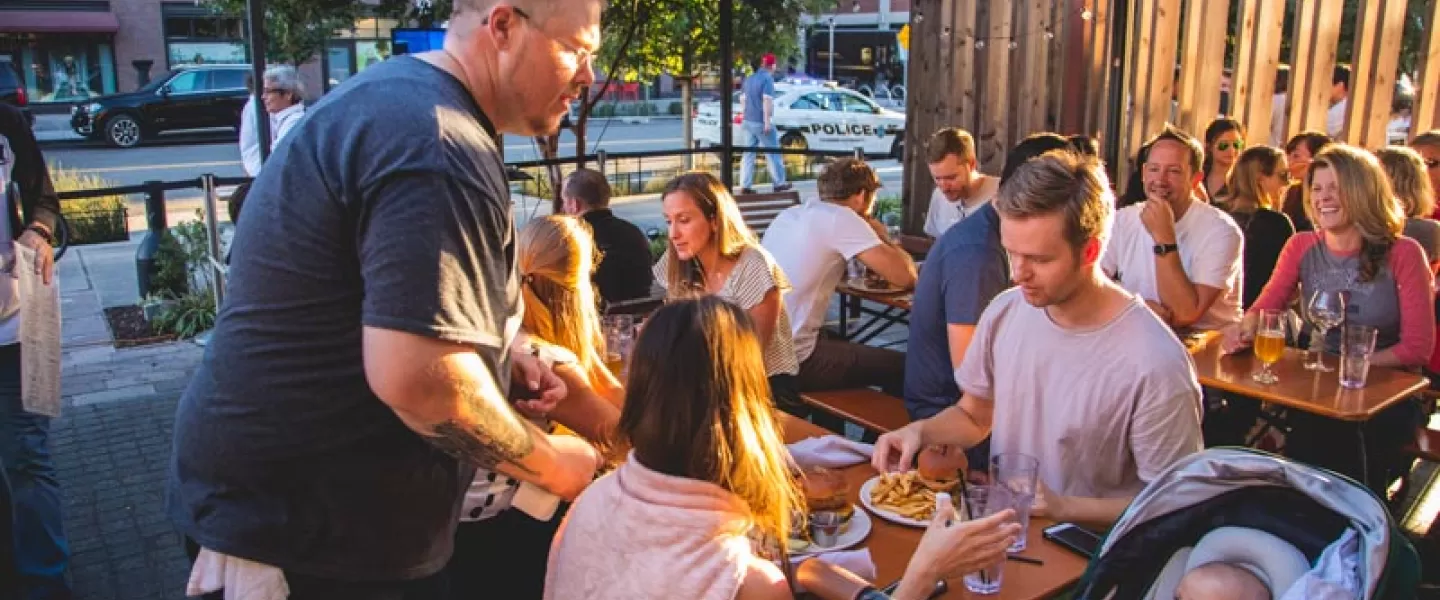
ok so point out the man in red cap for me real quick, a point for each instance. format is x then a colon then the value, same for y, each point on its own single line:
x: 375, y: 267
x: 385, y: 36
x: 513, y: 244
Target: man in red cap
x: 759, y: 107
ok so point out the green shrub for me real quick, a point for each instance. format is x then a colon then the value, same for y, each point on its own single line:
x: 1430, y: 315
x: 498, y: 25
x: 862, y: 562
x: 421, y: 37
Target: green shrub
x: 676, y: 109
x: 887, y: 204
x: 603, y: 110
x: 92, y: 220
x: 189, y: 314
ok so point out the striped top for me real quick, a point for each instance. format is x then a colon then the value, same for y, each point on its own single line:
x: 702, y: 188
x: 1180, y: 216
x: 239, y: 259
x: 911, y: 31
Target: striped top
x: 754, y: 275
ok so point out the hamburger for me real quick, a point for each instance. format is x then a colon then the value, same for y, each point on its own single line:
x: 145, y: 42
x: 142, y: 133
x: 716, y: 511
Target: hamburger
x: 827, y: 491
x: 939, y: 468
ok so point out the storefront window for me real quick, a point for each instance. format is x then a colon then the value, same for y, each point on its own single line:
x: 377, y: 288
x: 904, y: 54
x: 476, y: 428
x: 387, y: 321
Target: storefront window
x: 358, y: 48
x: 196, y: 36
x: 62, y: 69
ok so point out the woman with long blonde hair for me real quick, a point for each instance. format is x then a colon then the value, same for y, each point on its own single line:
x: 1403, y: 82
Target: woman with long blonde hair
x: 1357, y: 250
x: 707, y: 473
x: 712, y: 252
x: 556, y: 257
x: 1256, y: 184
x: 1406, y: 171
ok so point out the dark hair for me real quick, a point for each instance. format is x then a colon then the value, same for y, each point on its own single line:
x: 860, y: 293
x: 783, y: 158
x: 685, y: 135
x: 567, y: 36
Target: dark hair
x: 1314, y: 141
x: 1282, y: 79
x: 1135, y: 184
x: 1032, y: 146
x: 589, y: 187
x: 1063, y: 183
x: 844, y: 178
x: 1341, y: 75
x: 1213, y: 131
x: 1085, y: 145
x: 948, y: 141
x: 1173, y: 134
x: 1429, y: 138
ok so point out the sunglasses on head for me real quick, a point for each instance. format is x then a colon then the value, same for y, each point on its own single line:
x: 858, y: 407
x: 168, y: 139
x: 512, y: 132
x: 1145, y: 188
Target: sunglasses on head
x: 1223, y: 146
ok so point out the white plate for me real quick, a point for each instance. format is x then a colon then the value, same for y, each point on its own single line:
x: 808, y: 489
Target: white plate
x: 859, y: 286
x: 859, y: 528
x: 882, y: 512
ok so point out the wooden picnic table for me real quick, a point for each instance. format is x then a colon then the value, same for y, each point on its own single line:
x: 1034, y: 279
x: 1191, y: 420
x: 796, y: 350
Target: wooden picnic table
x: 1315, y: 392
x: 895, y: 310
x: 891, y: 545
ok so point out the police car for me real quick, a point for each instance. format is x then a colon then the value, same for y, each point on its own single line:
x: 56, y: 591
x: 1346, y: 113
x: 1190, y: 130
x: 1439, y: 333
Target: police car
x: 815, y: 117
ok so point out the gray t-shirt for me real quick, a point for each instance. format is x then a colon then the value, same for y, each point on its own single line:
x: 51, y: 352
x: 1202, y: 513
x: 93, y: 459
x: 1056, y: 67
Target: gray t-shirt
x: 387, y: 207
x: 755, y: 88
x: 1105, y: 410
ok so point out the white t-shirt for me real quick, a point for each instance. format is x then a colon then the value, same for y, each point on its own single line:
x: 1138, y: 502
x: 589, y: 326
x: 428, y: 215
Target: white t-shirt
x: 250, y: 138
x: 1335, y: 118
x: 1105, y: 410
x: 1277, y: 119
x: 811, y: 243
x: 1210, y: 250
x: 944, y: 214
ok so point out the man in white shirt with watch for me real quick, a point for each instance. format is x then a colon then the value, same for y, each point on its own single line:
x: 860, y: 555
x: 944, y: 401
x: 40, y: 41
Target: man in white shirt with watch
x: 1178, y: 253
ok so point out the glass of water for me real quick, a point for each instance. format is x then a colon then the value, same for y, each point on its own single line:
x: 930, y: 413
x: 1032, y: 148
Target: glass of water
x: 1019, y: 474
x: 982, y: 501
x: 892, y: 225
x: 1357, y: 344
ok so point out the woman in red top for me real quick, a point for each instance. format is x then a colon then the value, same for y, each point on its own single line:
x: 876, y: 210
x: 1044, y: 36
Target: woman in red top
x: 1357, y: 249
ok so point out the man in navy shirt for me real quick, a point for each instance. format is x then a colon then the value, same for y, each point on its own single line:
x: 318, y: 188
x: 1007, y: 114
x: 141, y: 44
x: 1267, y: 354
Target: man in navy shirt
x: 965, y: 269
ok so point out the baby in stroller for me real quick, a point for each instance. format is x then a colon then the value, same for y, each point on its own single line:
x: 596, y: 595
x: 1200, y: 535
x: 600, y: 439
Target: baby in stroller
x: 1236, y: 523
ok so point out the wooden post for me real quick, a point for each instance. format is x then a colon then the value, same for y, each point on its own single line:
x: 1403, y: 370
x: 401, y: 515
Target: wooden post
x: 1425, y: 114
x: 1315, y: 36
x: 1378, y: 26
x: 992, y: 134
x: 1099, y: 39
x: 942, y: 91
x: 1149, y: 73
x: 1200, y: 71
x: 1252, y: 87
x: 1033, y: 95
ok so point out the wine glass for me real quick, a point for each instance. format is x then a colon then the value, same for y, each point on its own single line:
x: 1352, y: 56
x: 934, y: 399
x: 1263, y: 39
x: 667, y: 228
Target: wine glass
x: 1325, y: 311
x: 1269, y: 343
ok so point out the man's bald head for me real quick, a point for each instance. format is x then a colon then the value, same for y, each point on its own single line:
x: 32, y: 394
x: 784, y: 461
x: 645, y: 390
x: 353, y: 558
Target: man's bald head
x: 1221, y: 581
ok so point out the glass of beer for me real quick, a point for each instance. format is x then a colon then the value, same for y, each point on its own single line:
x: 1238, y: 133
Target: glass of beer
x: 1269, y: 343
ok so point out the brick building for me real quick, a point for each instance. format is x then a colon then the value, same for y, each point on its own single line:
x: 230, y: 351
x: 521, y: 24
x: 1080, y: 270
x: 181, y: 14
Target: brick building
x: 66, y: 51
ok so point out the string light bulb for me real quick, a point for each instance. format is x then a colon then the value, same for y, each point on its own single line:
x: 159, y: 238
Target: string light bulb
x: 1087, y: 15
x: 979, y: 44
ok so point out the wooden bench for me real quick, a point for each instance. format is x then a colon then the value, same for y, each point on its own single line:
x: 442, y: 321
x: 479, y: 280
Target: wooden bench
x: 875, y: 411
x: 760, y: 210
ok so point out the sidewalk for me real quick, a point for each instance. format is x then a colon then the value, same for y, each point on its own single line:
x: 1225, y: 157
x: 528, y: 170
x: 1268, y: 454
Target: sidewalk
x: 112, y: 442
x: 55, y: 128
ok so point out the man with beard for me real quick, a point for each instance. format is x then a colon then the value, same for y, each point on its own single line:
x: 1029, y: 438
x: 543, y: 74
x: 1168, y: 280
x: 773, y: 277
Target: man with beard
x: 360, y: 367
x: 1084, y: 378
x: 1179, y: 253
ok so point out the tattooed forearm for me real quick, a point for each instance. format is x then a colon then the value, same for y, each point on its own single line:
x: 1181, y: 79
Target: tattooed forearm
x: 485, y: 446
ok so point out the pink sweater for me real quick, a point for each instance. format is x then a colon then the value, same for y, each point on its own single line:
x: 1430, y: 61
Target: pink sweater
x: 638, y: 534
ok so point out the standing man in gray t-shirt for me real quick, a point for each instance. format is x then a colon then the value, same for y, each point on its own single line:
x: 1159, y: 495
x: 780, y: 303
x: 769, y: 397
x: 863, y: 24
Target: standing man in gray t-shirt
x: 759, y: 129
x: 1066, y: 366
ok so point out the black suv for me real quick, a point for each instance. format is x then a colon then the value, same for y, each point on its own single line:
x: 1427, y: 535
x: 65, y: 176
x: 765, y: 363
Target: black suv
x: 186, y: 98
x: 12, y: 92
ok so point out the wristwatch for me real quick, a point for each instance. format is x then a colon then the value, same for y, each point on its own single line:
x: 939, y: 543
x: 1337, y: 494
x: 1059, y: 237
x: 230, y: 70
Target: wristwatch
x: 1163, y: 249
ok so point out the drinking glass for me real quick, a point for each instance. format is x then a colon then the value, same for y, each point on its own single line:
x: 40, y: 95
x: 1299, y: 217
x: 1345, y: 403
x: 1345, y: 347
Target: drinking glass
x: 1269, y: 343
x: 1019, y: 474
x: 982, y: 501
x: 619, y: 331
x: 892, y: 225
x: 1357, y: 344
x: 1325, y: 311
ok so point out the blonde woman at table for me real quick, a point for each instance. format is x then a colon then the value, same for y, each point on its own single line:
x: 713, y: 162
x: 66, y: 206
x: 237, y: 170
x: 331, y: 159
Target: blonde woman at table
x: 498, y: 539
x: 1357, y: 249
x: 706, y: 474
x: 712, y: 251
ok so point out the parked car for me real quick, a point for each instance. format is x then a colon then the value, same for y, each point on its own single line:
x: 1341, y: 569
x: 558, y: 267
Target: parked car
x: 12, y: 91
x: 192, y: 97
x: 816, y: 117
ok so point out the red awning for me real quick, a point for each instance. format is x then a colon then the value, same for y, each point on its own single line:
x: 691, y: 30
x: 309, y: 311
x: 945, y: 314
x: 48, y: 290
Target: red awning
x: 57, y: 21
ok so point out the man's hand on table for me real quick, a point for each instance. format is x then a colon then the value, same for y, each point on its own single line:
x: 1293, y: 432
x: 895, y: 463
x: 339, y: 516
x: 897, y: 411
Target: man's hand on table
x: 895, y: 450
x: 951, y: 548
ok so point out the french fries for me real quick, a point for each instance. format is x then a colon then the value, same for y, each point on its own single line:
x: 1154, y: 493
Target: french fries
x: 904, y: 495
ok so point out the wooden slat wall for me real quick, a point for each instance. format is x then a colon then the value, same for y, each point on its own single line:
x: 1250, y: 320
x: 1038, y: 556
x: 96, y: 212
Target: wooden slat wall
x: 1252, y: 87
x: 1372, y: 77
x: 1099, y: 55
x: 1425, y: 115
x: 1033, y: 99
x: 1200, y: 73
x: 1149, y: 72
x: 1315, y: 36
x: 992, y: 135
x: 943, y: 91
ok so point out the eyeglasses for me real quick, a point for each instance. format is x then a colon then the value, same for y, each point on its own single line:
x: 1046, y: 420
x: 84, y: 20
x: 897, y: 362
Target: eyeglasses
x: 1223, y: 146
x: 272, y: 91
x: 581, y: 55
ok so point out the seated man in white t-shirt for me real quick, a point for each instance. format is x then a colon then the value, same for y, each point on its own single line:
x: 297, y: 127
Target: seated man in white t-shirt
x: 960, y: 187
x: 1066, y: 366
x: 1182, y: 255
x: 812, y: 242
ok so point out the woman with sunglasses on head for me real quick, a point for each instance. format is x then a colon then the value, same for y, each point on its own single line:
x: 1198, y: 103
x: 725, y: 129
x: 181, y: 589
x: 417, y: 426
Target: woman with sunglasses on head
x: 712, y: 251
x: 555, y: 256
x: 1256, y: 184
x: 1224, y: 140
x: 707, y: 474
x: 1358, y: 251
x: 1428, y: 145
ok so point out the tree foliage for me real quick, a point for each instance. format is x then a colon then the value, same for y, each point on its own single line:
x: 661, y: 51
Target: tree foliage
x: 297, y: 30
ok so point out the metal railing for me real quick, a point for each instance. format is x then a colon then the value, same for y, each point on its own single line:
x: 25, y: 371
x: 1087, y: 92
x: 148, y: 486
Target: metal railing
x: 156, y: 222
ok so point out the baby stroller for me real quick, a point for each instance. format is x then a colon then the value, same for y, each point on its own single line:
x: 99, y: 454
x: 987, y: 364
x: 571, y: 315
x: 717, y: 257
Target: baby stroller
x: 1282, y: 520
